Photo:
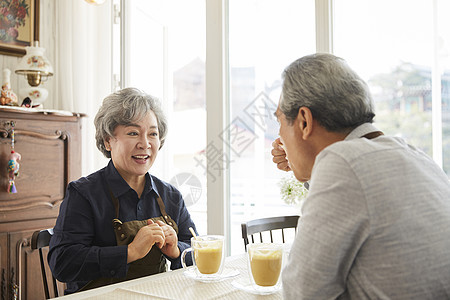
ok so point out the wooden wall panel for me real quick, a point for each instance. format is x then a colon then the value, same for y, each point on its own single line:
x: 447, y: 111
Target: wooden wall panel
x: 50, y: 145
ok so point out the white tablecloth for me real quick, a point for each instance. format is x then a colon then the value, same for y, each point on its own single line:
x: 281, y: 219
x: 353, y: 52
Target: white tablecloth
x: 176, y: 285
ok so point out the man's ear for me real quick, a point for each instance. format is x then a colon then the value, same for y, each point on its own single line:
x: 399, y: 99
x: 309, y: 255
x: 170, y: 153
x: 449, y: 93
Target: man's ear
x: 106, y: 143
x: 305, y: 121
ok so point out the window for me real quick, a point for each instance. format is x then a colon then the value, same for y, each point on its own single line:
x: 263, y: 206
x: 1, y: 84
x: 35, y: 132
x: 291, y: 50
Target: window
x: 393, y: 49
x: 264, y: 37
x: 401, y: 48
x: 164, y: 55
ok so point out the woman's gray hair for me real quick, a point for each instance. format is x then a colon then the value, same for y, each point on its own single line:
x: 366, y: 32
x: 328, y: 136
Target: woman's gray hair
x: 125, y: 107
x: 337, y: 97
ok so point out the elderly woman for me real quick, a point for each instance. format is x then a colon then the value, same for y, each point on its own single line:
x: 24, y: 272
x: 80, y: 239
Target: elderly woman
x: 120, y: 222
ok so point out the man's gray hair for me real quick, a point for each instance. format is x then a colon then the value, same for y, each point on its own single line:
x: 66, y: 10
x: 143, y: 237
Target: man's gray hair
x: 337, y: 97
x: 125, y: 107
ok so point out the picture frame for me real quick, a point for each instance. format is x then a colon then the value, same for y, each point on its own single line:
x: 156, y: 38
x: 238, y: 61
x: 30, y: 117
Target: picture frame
x: 19, y: 25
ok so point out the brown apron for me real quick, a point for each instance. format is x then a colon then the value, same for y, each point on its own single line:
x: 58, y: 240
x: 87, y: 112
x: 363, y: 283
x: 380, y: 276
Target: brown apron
x: 153, y: 263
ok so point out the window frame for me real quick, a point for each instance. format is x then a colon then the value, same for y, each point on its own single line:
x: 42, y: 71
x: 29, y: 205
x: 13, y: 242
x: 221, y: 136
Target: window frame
x: 218, y: 94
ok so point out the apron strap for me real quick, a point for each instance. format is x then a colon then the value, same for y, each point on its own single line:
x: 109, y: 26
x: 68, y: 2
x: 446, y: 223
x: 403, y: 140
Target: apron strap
x: 115, y: 203
x: 162, y: 208
x: 161, y: 205
x: 372, y: 135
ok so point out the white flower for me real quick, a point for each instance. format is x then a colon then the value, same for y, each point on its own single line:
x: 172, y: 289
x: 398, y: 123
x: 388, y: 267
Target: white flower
x: 292, y: 191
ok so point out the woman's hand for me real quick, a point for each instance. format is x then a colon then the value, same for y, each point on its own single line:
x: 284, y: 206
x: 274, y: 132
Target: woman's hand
x: 170, y: 247
x: 144, y: 240
x: 279, y: 156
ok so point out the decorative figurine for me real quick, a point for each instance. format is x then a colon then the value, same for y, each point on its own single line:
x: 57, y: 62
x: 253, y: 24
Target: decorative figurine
x: 13, y: 170
x: 26, y: 102
x: 7, y: 97
x: 13, y: 164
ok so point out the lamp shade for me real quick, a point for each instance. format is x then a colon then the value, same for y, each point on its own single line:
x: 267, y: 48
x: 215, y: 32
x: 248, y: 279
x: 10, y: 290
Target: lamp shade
x: 34, y: 65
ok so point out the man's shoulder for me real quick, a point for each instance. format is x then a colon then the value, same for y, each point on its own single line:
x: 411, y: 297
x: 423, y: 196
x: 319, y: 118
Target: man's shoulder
x: 357, y: 148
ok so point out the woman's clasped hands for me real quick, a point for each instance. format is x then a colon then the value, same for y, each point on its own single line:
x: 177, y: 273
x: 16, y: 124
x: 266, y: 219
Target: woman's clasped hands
x: 159, y: 233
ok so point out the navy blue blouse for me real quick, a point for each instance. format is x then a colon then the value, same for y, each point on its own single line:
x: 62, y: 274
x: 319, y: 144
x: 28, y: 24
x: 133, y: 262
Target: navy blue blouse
x: 84, y: 246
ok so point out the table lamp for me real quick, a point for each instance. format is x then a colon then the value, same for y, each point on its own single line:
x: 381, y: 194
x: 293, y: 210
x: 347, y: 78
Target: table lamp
x: 36, y: 68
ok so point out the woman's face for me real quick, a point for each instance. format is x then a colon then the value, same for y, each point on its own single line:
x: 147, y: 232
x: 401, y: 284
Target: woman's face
x: 134, y: 147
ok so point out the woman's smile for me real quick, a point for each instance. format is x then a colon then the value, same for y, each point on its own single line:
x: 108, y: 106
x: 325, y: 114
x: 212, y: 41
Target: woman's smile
x: 141, y: 159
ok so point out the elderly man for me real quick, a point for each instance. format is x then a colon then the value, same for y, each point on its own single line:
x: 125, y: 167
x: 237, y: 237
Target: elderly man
x: 376, y: 222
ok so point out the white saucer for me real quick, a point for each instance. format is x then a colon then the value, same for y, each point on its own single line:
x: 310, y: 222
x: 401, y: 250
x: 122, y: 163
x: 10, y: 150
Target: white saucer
x: 226, y: 273
x: 247, y: 286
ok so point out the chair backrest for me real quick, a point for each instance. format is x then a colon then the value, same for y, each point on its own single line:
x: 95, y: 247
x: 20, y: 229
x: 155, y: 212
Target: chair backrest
x: 258, y: 226
x: 39, y: 240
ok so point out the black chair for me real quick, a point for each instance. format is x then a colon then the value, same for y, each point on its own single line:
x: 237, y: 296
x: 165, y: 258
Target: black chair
x: 39, y: 240
x: 258, y: 226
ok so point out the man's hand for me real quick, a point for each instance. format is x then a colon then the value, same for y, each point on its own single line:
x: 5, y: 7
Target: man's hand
x: 279, y: 156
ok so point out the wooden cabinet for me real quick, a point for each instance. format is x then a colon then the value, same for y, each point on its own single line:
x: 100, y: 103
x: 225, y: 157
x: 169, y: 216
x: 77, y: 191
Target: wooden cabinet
x: 50, y: 145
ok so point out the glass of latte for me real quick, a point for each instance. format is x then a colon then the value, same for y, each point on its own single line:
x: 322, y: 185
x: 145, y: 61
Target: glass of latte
x: 207, y: 256
x: 265, y: 262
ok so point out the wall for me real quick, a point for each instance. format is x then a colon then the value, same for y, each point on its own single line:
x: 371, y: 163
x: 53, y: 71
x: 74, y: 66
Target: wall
x: 77, y: 38
x: 47, y: 41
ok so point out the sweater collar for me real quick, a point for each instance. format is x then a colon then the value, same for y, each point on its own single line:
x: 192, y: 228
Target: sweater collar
x: 360, y: 131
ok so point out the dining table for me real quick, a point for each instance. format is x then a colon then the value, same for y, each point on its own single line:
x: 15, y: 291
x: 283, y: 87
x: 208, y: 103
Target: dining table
x: 234, y: 283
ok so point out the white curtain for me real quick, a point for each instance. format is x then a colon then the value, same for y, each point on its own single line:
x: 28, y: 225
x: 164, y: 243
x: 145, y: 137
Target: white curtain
x: 83, y: 65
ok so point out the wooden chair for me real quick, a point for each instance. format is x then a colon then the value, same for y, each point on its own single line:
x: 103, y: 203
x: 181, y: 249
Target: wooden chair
x: 258, y: 226
x: 39, y: 240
